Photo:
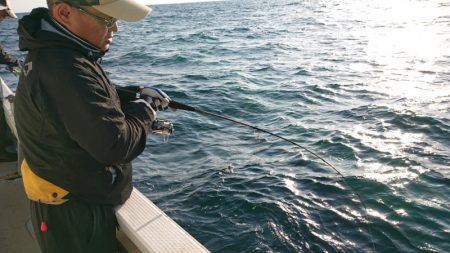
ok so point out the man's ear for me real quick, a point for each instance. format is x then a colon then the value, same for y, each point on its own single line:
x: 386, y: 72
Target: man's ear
x: 62, y: 13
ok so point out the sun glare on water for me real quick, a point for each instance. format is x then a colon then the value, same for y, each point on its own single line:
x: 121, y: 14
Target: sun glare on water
x: 407, y: 45
x: 409, y: 39
x: 405, y: 30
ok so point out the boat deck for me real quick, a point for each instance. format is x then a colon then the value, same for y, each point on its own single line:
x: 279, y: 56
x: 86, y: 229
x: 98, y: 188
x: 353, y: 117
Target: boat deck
x: 14, y: 215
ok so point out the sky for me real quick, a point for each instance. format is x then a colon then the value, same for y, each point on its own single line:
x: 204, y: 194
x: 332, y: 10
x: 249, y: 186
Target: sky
x: 20, y: 6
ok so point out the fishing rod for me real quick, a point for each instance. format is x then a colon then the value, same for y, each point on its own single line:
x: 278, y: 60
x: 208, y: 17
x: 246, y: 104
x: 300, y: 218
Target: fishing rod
x: 181, y: 106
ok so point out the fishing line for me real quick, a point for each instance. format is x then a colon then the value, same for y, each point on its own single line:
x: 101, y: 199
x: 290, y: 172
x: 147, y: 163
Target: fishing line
x: 181, y: 106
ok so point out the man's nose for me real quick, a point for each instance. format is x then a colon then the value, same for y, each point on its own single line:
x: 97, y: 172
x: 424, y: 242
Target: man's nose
x: 115, y: 27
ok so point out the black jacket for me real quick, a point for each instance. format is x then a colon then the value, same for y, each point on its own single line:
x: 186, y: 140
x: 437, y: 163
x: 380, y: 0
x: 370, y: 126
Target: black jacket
x: 73, y: 129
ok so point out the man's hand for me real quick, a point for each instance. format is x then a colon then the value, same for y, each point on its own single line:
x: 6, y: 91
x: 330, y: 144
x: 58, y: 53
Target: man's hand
x: 157, y: 99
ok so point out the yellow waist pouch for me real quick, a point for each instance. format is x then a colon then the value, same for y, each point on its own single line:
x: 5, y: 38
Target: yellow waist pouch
x: 41, y: 190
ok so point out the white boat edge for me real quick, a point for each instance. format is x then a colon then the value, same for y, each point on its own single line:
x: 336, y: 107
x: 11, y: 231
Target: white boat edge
x: 143, y: 227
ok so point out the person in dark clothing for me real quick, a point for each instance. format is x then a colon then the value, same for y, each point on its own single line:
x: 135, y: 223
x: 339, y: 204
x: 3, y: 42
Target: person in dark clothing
x: 77, y: 131
x: 5, y: 58
x: 8, y: 151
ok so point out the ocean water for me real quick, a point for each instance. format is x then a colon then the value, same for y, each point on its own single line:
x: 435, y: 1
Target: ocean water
x: 364, y: 84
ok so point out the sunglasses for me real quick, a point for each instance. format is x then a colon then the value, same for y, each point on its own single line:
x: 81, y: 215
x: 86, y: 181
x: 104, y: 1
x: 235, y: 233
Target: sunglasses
x: 109, y: 22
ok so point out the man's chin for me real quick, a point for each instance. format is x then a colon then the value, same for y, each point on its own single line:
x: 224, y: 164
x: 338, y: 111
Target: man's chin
x: 105, y: 48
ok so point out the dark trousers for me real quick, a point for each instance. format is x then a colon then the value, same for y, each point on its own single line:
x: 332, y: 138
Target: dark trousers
x: 75, y: 227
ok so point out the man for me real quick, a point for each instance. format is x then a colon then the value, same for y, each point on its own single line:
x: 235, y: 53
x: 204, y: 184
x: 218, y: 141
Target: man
x: 78, y: 133
x: 7, y: 140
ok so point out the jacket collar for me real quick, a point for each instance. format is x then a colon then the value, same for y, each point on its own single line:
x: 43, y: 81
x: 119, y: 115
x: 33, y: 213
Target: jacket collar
x: 55, y: 27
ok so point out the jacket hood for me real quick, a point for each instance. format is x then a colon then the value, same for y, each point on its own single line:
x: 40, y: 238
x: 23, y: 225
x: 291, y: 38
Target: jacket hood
x: 39, y: 30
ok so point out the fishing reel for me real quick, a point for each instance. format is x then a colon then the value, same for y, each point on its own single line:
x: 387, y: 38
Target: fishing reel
x: 162, y: 127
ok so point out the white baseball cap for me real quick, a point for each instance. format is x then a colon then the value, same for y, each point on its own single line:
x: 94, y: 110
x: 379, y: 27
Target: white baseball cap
x: 128, y: 10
